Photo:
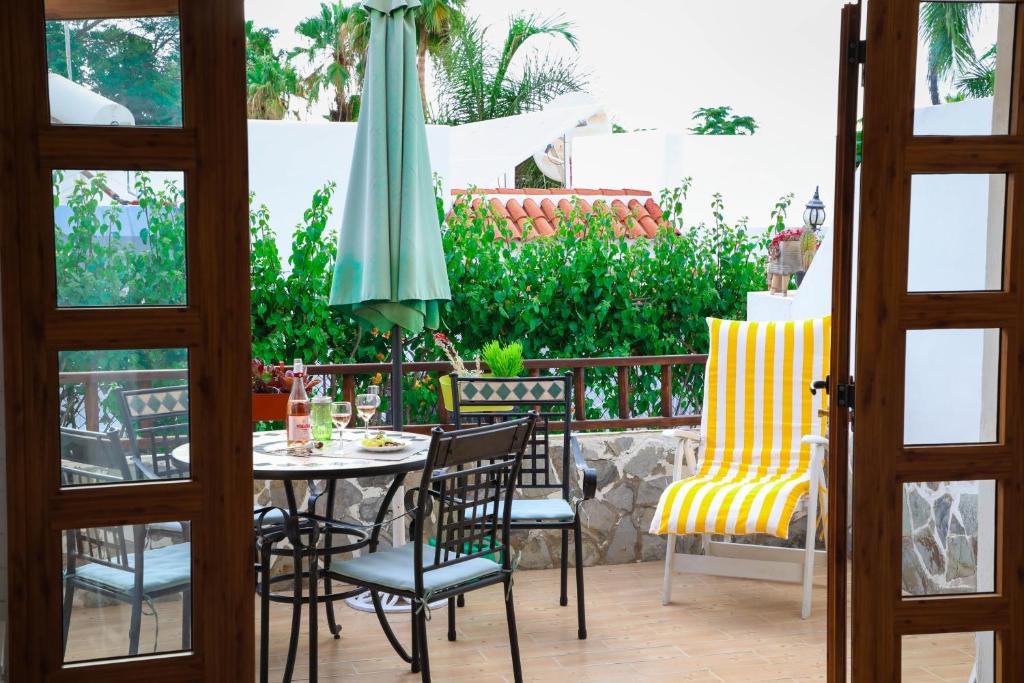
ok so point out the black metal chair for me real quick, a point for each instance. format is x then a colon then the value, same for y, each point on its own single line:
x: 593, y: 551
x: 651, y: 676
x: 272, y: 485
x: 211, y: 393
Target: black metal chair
x: 156, y: 422
x: 101, y: 450
x: 489, y: 400
x: 469, y: 476
x: 107, y: 560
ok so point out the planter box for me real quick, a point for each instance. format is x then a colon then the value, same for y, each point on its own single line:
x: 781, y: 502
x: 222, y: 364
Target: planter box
x: 269, y: 407
x: 449, y: 403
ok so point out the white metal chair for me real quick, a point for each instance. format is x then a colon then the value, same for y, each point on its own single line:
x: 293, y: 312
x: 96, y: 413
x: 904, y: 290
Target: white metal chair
x: 761, y: 455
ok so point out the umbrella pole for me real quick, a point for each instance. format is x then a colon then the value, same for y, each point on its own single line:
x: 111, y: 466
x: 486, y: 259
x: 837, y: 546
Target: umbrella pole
x: 396, y: 378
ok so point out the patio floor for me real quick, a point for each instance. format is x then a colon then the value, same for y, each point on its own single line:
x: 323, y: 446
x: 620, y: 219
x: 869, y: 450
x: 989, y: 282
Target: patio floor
x: 717, y: 629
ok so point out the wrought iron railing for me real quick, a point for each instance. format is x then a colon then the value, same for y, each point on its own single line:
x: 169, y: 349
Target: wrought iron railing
x: 92, y: 386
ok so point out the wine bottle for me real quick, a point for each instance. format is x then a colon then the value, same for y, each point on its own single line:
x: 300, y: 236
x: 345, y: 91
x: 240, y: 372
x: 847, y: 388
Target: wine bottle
x: 300, y: 431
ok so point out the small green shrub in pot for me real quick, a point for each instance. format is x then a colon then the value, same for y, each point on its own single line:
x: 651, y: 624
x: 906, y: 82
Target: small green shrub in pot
x: 504, y: 361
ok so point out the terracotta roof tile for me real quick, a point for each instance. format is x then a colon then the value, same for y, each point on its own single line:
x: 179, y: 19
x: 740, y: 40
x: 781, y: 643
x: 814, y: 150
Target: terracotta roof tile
x: 627, y: 219
x: 525, y: 218
x: 499, y: 208
x: 649, y: 225
x: 540, y: 222
x: 654, y: 209
x: 550, y: 212
x: 515, y: 209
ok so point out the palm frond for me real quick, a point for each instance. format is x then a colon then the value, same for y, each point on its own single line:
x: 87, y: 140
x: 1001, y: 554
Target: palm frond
x: 978, y: 78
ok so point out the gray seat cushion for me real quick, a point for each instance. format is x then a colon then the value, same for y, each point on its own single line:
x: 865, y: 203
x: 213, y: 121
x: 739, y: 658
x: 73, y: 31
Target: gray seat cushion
x: 534, y: 510
x: 167, y: 567
x: 167, y: 527
x: 394, y: 568
x: 275, y: 516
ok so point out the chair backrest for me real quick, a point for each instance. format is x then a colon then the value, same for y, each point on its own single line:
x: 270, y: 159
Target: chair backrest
x: 470, y: 475
x: 757, y: 399
x: 491, y: 400
x: 100, y: 450
x: 156, y: 422
x: 109, y: 546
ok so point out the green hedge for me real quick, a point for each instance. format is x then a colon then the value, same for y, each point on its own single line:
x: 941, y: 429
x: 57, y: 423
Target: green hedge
x: 568, y: 295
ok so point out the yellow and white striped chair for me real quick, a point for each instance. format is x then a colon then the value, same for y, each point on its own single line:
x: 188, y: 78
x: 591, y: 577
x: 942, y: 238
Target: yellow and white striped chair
x: 762, y: 450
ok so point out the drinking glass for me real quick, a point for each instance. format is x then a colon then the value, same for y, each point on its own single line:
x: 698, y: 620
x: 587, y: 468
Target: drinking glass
x: 341, y: 413
x: 366, y: 406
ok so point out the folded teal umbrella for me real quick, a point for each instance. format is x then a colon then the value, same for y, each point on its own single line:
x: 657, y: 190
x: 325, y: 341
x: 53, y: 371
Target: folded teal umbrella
x: 390, y: 271
x: 390, y: 268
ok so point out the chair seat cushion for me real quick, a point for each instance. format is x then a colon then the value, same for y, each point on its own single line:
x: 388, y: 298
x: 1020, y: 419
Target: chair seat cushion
x: 275, y: 516
x: 167, y: 527
x: 547, y: 509
x: 535, y: 510
x: 394, y: 568
x: 738, y: 504
x: 164, y: 568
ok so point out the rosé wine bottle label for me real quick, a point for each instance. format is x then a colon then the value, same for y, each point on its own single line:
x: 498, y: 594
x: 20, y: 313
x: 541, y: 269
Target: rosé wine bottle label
x: 299, y: 428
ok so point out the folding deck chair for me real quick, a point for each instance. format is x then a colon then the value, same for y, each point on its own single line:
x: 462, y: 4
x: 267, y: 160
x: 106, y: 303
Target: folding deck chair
x: 762, y: 452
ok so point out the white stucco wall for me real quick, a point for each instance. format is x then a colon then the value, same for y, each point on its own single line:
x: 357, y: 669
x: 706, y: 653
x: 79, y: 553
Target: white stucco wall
x: 289, y: 160
x: 751, y: 172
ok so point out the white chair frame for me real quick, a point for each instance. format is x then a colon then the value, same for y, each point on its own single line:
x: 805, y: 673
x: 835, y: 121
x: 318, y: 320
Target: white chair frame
x: 737, y: 560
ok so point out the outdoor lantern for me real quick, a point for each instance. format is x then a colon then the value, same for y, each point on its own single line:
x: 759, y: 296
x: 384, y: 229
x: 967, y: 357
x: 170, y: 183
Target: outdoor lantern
x: 814, y: 213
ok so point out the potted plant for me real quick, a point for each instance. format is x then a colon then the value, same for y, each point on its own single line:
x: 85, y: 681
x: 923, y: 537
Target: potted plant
x: 271, y: 385
x: 502, y: 361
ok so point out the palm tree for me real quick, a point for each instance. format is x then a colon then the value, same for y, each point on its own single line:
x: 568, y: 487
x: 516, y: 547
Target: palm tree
x: 978, y: 79
x: 476, y: 83
x: 270, y: 79
x: 436, y: 20
x: 335, y: 50
x: 947, y: 26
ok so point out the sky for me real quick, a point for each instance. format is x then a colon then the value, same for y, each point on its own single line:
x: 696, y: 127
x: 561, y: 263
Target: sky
x: 654, y: 62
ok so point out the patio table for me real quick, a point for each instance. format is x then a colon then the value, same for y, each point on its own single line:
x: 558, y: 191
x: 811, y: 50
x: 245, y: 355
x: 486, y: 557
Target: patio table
x: 329, y: 464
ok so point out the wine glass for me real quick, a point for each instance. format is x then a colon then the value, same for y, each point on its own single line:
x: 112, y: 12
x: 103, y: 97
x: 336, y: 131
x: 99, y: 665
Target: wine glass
x: 341, y: 413
x: 366, y: 406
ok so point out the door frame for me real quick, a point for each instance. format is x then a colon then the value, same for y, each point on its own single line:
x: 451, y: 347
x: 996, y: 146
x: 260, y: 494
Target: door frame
x: 211, y: 150
x: 840, y: 417
x: 885, y: 312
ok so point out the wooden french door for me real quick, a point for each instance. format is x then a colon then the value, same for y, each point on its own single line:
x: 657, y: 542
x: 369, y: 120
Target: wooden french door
x: 78, y: 302
x: 840, y: 380
x: 938, y: 515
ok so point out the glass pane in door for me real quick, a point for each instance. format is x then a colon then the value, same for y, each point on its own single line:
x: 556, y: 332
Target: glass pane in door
x: 951, y: 389
x: 126, y: 589
x: 114, y: 72
x: 123, y: 413
x: 957, y: 227
x: 119, y: 238
x: 961, y: 657
x: 949, y: 536
x: 964, y: 68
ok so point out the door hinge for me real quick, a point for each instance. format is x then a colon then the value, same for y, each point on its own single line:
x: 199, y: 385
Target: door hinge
x: 857, y: 52
x: 846, y: 395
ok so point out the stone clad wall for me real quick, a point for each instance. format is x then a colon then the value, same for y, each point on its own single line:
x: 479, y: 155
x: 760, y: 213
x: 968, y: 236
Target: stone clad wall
x: 633, y: 468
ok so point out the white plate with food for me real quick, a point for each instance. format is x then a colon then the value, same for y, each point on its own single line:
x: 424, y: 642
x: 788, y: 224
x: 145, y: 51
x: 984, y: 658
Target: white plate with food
x: 382, y: 443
